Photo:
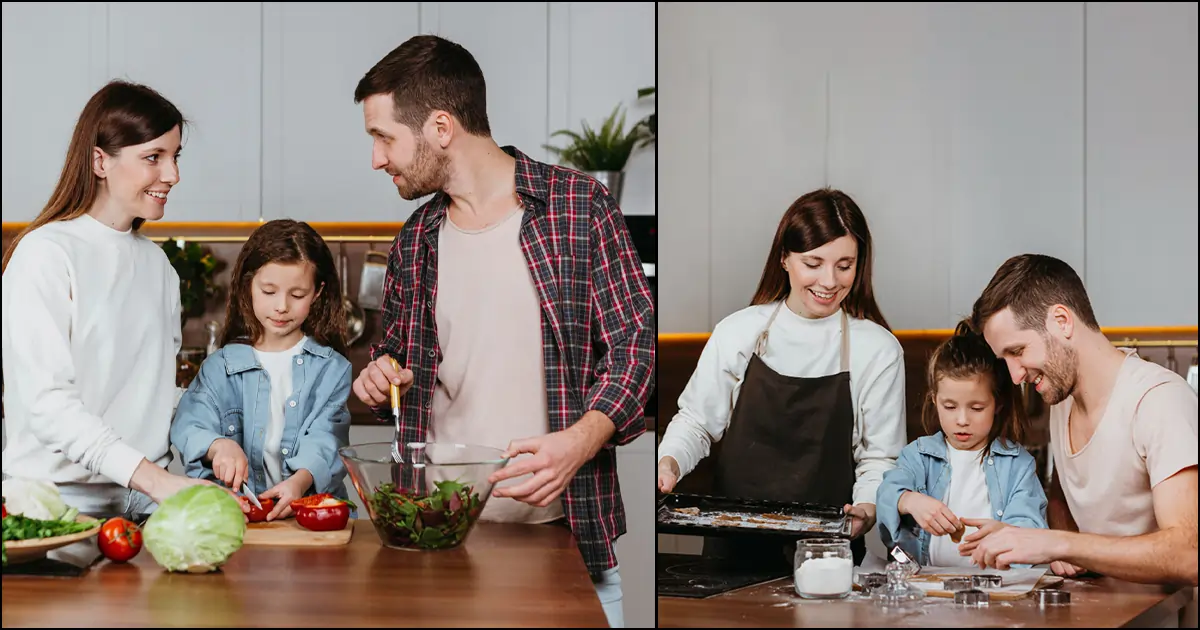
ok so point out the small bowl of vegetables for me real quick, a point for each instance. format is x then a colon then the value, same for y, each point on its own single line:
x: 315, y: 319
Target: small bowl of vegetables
x: 432, y: 499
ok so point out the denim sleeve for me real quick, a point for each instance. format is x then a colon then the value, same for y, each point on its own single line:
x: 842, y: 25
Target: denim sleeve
x: 198, y: 418
x: 317, y: 449
x: 893, y: 528
x: 1026, y: 500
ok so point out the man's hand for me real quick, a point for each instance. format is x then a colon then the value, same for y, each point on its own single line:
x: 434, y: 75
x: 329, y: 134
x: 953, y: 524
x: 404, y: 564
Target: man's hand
x: 374, y: 383
x: 1066, y: 569
x: 668, y: 473
x: 985, y: 527
x: 862, y: 518
x: 556, y: 458
x: 1003, y: 547
x: 287, y: 491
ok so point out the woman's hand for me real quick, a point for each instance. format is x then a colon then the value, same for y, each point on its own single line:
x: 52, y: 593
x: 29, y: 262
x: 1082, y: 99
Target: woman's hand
x: 932, y: 515
x: 668, y: 473
x: 862, y: 517
x: 155, y: 482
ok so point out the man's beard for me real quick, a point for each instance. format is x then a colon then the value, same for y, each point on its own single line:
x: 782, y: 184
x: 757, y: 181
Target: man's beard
x: 426, y: 175
x: 1060, y: 372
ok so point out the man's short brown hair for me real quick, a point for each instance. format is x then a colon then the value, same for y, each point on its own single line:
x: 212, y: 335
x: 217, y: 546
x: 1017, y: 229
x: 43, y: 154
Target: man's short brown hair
x: 428, y: 73
x: 1030, y: 284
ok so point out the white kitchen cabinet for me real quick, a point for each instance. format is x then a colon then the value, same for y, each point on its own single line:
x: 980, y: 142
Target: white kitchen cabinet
x: 601, y: 54
x: 317, y: 154
x: 61, y: 53
x: 1141, y: 163
x: 761, y: 98
x: 883, y: 149
x: 515, y: 74
x: 958, y: 130
x: 1008, y: 95
x: 207, y: 59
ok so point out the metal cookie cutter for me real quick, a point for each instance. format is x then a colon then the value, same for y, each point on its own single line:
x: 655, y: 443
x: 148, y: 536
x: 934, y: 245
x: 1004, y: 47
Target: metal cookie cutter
x: 1050, y: 597
x: 911, y: 566
x: 986, y: 581
x: 972, y: 597
x: 958, y: 584
x: 871, y: 581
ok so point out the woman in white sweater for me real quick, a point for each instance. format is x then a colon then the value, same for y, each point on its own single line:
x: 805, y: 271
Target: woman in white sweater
x: 804, y: 388
x: 91, y: 315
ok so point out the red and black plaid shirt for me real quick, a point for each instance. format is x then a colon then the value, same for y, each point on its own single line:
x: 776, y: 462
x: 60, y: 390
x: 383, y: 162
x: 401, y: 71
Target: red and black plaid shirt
x: 597, y: 328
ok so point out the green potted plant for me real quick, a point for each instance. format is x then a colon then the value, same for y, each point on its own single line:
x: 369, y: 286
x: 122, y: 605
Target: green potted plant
x: 602, y: 154
x: 196, y: 268
x: 649, y: 123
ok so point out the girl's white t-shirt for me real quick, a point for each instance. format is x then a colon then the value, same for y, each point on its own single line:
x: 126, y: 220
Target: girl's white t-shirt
x: 278, y: 365
x: 967, y: 497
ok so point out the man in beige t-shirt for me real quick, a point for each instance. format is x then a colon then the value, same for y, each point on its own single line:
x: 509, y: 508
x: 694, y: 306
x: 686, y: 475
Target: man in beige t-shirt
x: 1123, y: 436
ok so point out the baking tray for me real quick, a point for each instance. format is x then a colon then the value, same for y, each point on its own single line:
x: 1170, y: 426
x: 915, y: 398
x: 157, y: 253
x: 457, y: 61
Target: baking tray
x: 758, y: 518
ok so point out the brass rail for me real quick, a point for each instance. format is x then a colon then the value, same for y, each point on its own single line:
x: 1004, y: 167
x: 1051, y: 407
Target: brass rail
x: 1154, y: 343
x: 242, y: 239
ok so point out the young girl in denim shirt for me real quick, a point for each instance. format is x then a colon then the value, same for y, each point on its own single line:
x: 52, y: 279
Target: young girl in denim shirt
x: 269, y: 407
x: 974, y: 469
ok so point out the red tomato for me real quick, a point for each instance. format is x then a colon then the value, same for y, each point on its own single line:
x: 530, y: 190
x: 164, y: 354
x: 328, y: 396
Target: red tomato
x: 256, y: 515
x: 120, y: 540
x: 322, y: 512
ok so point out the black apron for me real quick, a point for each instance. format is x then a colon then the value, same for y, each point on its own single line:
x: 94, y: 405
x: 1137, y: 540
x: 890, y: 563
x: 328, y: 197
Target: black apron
x: 789, y: 439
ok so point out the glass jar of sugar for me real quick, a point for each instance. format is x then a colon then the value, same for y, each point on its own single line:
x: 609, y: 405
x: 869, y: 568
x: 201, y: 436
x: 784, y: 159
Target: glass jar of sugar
x: 824, y: 568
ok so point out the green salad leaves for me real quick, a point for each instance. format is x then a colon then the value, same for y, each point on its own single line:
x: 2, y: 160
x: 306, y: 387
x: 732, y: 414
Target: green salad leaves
x: 436, y: 521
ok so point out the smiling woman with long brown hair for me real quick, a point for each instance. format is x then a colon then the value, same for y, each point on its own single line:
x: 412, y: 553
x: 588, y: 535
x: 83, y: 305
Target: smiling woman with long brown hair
x: 805, y: 387
x: 91, y: 314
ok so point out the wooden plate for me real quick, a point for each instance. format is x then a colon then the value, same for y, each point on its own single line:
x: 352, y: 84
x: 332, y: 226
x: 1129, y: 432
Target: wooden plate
x: 20, y: 551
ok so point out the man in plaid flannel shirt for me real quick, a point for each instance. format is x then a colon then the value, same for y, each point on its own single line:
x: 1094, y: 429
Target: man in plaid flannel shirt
x: 589, y: 315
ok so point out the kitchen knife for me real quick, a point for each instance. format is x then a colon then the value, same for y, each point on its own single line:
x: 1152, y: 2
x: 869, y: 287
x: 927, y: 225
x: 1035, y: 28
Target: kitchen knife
x: 250, y: 495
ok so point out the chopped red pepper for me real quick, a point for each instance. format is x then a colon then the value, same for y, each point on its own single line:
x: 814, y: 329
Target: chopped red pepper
x: 256, y: 515
x: 322, y: 512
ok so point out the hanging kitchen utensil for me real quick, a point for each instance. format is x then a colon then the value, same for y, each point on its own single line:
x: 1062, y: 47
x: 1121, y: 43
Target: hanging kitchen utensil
x: 1191, y: 374
x: 356, y: 322
x: 1172, y: 364
x: 370, y: 287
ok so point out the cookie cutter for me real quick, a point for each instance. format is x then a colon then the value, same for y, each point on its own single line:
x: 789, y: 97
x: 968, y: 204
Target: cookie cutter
x: 986, y: 581
x: 1050, y: 597
x: 958, y: 584
x: 972, y: 597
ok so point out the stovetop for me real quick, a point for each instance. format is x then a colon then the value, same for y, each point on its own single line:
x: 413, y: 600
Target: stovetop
x: 681, y: 575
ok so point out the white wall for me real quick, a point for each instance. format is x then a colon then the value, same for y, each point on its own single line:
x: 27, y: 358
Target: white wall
x: 967, y: 132
x: 269, y: 89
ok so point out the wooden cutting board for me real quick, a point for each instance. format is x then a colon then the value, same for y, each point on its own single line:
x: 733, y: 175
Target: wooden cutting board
x: 923, y: 582
x: 288, y: 532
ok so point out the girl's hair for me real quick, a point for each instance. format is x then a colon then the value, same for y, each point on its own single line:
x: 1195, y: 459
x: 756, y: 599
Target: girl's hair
x: 120, y: 115
x: 964, y: 355
x: 286, y: 242
x: 812, y: 221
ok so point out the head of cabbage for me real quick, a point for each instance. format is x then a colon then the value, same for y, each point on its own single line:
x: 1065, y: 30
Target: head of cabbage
x: 195, y: 530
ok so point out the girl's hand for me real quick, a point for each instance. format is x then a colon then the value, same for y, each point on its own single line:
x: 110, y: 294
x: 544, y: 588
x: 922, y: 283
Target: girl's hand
x: 287, y: 491
x: 932, y: 515
x: 229, y: 462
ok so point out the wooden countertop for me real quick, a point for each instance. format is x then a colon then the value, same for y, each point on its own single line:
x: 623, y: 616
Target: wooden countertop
x: 504, y: 575
x: 1095, y: 603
